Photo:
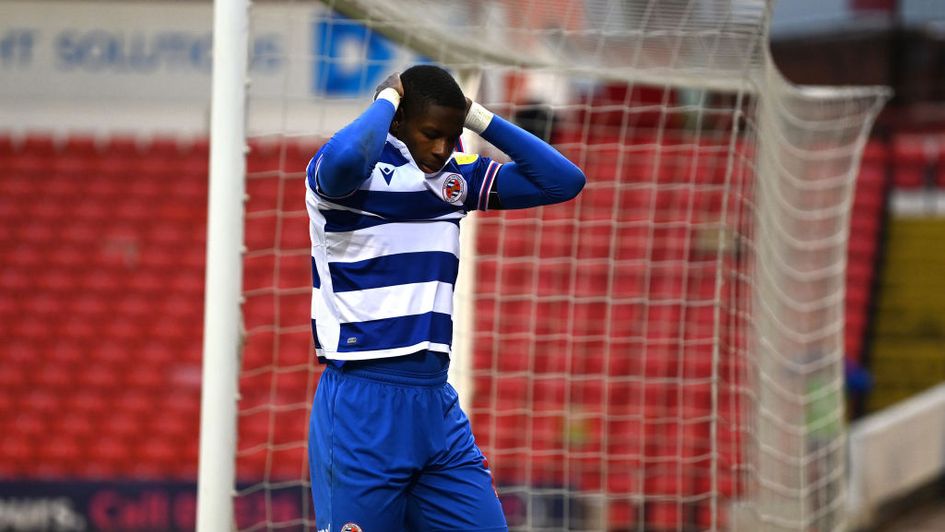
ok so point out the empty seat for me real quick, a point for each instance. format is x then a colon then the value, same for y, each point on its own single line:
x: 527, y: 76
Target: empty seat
x: 664, y: 515
x: 622, y: 514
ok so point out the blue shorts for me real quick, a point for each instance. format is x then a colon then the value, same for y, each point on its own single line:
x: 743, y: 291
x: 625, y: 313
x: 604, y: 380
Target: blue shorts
x: 388, y: 453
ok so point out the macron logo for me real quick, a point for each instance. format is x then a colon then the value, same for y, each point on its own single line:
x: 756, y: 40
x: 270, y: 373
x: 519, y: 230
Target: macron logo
x: 387, y: 171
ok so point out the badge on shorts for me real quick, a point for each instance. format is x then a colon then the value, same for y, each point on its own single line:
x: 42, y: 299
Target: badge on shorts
x: 351, y: 527
x: 454, y: 188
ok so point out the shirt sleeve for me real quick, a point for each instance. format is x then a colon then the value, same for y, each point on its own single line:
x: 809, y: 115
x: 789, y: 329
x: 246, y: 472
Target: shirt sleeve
x: 538, y: 173
x: 479, y: 174
x: 348, y: 158
x: 314, y: 173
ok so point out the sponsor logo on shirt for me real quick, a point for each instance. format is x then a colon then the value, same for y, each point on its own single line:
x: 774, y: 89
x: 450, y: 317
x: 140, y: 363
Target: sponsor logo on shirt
x: 351, y: 527
x: 387, y: 171
x: 465, y: 158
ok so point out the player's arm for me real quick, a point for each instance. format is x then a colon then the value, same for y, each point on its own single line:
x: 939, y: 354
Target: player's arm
x: 538, y: 175
x: 348, y: 158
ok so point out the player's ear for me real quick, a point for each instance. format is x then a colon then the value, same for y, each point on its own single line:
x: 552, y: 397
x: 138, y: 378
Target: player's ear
x: 397, y: 121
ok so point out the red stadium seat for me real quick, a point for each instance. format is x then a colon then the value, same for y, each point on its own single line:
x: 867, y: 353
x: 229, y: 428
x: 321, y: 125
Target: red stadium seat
x: 17, y: 455
x: 31, y: 425
x: 9, y: 146
x: 41, y: 144
x: 288, y: 464
x: 622, y: 514
x: 664, y: 516
x: 53, y: 377
x: 75, y: 427
x: 252, y: 465
x: 263, y: 193
x: 710, y: 516
x: 147, y: 469
x: 132, y: 315
x: 549, y: 394
x: 64, y: 452
x: 158, y: 450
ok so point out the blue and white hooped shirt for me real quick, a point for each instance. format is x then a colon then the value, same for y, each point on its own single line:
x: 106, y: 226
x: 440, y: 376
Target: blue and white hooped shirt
x: 385, y: 257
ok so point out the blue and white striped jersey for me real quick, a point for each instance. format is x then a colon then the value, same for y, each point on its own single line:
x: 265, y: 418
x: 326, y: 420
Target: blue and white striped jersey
x: 385, y: 257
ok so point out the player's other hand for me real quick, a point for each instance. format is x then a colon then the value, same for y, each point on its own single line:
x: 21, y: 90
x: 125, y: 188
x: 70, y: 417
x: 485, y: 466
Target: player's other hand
x: 392, y: 81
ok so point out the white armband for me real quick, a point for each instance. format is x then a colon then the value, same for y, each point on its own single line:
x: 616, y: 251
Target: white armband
x: 390, y: 94
x: 478, y: 118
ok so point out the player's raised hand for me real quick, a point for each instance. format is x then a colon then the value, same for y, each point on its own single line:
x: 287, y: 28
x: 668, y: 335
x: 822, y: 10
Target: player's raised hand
x: 393, y: 82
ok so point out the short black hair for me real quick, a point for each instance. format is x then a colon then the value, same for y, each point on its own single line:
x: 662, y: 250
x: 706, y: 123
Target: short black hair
x: 430, y: 85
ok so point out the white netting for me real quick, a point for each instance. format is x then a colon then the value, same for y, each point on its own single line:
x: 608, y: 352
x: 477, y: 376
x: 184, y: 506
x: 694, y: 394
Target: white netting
x: 662, y: 353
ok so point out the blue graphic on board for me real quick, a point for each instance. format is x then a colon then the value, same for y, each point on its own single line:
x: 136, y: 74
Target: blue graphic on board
x: 349, y: 58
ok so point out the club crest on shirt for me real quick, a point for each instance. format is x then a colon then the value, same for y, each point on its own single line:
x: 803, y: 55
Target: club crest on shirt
x: 454, y: 188
x: 351, y: 527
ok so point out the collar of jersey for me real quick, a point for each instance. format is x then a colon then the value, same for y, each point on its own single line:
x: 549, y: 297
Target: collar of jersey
x: 406, y: 153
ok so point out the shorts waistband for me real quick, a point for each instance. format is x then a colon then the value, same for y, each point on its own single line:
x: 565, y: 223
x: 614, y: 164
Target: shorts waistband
x: 389, y: 377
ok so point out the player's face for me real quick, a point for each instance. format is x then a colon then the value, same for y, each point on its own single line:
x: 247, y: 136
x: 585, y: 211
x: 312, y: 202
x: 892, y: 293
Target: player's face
x: 430, y: 134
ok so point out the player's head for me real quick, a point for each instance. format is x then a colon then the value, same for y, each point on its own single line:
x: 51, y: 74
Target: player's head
x: 431, y: 115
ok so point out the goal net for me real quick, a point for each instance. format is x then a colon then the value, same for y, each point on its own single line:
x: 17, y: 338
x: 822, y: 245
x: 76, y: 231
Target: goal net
x: 663, y: 353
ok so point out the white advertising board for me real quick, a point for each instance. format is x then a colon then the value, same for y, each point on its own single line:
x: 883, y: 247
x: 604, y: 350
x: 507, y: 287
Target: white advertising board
x: 145, y: 67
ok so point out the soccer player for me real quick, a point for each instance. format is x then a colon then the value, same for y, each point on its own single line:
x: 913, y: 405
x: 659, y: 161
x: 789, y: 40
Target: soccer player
x: 389, y: 447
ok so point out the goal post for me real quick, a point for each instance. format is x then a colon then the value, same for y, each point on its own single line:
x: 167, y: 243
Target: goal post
x: 223, y: 286
x: 664, y: 352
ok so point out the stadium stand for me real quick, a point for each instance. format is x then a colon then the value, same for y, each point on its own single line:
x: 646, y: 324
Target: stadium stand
x: 103, y: 263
